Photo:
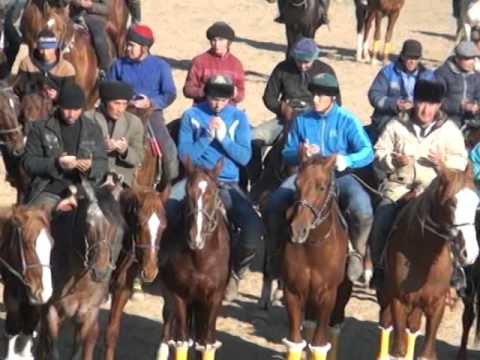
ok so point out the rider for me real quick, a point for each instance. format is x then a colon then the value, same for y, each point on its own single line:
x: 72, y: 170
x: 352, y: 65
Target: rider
x: 408, y: 151
x: 122, y: 131
x: 462, y: 83
x: 217, y: 60
x: 328, y: 129
x: 45, y: 63
x: 62, y: 148
x: 392, y: 90
x: 152, y: 82
x: 288, y: 81
x: 94, y: 14
x: 209, y: 131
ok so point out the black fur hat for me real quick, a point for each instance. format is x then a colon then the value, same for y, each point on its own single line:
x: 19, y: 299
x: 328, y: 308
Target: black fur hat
x: 219, y: 86
x: 431, y: 91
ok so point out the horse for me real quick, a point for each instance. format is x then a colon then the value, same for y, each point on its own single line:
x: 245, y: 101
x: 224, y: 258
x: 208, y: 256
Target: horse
x: 366, y: 13
x: 303, y: 18
x: 417, y: 278
x: 146, y: 218
x: 85, y: 265
x: 469, y: 16
x: 76, y: 44
x: 314, y: 254
x: 197, y: 267
x: 25, y: 249
x: 116, y: 26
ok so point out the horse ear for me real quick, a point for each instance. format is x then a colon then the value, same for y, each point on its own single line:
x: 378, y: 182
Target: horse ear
x: 302, y: 153
x: 217, y: 169
x: 188, y: 165
x: 331, y: 161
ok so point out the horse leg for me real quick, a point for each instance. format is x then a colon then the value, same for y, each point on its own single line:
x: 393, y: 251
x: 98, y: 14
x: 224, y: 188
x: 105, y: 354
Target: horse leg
x: 467, y: 322
x: 31, y: 320
x: 47, y: 347
x: 414, y: 321
x: 13, y: 322
x: 368, y: 25
x: 338, y: 315
x: 206, y: 323
x: 181, y: 338
x: 360, y: 12
x: 291, y: 37
x: 376, y: 37
x: 392, y: 19
x: 320, y: 345
x: 434, y: 314
x: 399, y: 326
x: 120, y: 296
x: 86, y: 335
x: 295, y: 344
x: 467, y: 28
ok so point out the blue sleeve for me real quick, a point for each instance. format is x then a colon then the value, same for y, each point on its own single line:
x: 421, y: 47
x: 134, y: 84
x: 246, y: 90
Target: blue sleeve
x: 113, y: 73
x: 240, y: 148
x: 360, y: 152
x: 187, y: 143
x: 475, y: 158
x: 166, y: 92
x: 378, y: 94
x: 290, y: 150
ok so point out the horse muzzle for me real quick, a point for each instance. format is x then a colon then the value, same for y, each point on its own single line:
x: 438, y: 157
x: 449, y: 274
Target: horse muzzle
x: 101, y: 275
x: 299, y: 235
x: 149, y: 274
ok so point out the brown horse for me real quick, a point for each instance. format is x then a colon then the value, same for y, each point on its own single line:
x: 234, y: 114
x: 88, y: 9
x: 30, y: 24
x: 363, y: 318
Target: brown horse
x: 82, y: 273
x: 145, y: 215
x: 314, y: 258
x: 76, y: 44
x: 117, y: 24
x: 376, y: 9
x: 417, y: 278
x: 25, y: 250
x: 196, y: 272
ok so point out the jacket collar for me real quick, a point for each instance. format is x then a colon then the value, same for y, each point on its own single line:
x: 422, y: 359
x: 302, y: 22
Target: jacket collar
x: 120, y: 127
x: 53, y: 123
x: 452, y: 65
x: 439, y: 121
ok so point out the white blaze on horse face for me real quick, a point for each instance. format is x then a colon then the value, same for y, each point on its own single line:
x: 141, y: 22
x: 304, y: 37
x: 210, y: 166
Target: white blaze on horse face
x: 467, y: 202
x: 43, y: 248
x: 153, y: 225
x: 202, y: 185
x: 50, y: 23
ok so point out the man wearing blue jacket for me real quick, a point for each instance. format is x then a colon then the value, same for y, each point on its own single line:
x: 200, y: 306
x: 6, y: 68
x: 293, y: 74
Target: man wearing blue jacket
x: 327, y: 130
x: 392, y: 90
x: 152, y: 82
x: 211, y: 130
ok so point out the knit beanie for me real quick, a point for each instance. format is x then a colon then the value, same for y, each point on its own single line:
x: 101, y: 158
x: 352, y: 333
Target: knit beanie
x: 305, y: 49
x: 324, y: 84
x: 115, y: 90
x: 219, y: 86
x: 71, y: 97
x: 141, y: 34
x: 222, y: 30
x: 47, y: 40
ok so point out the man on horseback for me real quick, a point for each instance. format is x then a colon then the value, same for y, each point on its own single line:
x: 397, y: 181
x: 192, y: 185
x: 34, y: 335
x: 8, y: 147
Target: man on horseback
x: 392, y: 90
x: 209, y: 131
x: 122, y: 131
x: 326, y: 130
x: 218, y: 60
x: 462, y: 83
x: 93, y: 13
x: 63, y: 148
x: 410, y: 149
x: 152, y: 82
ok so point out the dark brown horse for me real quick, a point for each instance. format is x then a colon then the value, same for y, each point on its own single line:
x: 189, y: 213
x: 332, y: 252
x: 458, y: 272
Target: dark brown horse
x: 145, y: 215
x: 25, y: 250
x: 375, y: 10
x: 196, y: 272
x: 417, y: 278
x: 83, y: 270
x: 76, y: 44
x: 314, y: 258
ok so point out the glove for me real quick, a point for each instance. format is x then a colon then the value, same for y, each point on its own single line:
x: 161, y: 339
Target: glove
x: 341, y: 163
x: 221, y: 132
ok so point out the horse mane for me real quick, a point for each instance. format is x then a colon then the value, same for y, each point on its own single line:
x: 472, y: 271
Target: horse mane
x: 314, y: 160
x: 109, y: 206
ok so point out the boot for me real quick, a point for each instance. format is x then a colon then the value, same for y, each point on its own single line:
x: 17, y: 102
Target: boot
x: 459, y: 280
x: 355, y: 266
x: 135, y: 10
x: 281, y: 6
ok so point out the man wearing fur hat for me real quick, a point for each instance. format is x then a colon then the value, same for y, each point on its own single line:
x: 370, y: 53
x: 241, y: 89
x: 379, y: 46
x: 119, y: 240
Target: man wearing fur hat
x: 209, y: 131
x: 408, y: 151
x: 218, y: 60
x: 153, y: 86
x: 122, y: 131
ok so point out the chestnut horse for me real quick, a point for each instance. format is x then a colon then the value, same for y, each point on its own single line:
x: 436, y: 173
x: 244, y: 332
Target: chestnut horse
x: 82, y: 274
x: 76, y: 44
x: 376, y: 9
x: 25, y: 249
x: 417, y: 278
x: 196, y: 272
x: 145, y: 215
x: 314, y: 259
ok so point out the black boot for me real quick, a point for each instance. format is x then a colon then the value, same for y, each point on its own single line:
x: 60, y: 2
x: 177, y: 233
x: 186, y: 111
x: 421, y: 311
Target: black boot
x: 459, y: 280
x: 135, y: 10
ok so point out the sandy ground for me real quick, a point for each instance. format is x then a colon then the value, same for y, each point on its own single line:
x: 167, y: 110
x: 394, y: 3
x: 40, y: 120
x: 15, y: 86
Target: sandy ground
x: 180, y: 29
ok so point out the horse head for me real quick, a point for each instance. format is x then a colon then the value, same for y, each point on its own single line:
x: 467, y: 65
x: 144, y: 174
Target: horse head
x: 455, y: 214
x: 146, y: 217
x: 30, y: 239
x: 57, y: 21
x: 315, y: 191
x: 202, y: 202
x: 10, y: 129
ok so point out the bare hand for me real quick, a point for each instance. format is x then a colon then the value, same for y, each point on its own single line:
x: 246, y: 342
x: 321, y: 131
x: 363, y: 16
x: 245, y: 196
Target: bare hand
x: 215, y: 122
x: 110, y: 145
x: 67, y: 162
x: 311, y: 149
x: 122, y: 145
x: 143, y: 103
x: 469, y: 106
x: 404, y: 105
x: 436, y: 157
x: 287, y: 111
x: 84, y: 165
x: 400, y: 160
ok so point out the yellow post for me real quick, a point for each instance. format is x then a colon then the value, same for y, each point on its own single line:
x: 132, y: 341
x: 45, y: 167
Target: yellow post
x: 384, y: 344
x: 208, y: 354
x: 208, y: 351
x: 320, y: 352
x: 376, y: 47
x: 294, y: 350
x: 386, y: 52
x: 334, y: 334
x: 181, y: 350
x: 411, y: 338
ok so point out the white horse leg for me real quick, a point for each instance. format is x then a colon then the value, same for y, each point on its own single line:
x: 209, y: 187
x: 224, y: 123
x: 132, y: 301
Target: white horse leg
x: 27, y: 344
x: 468, y: 31
x: 359, y: 46
x: 11, y: 341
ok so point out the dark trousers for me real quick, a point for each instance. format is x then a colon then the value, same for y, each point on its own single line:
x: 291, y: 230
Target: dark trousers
x: 96, y: 26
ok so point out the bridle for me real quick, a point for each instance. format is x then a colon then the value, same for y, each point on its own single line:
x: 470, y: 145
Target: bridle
x: 212, y: 219
x: 15, y: 129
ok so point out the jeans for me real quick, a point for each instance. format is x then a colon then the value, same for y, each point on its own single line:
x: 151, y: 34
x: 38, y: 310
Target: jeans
x: 96, y: 26
x: 240, y: 212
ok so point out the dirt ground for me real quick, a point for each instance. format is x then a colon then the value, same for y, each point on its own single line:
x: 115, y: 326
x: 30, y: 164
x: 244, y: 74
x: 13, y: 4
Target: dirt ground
x: 180, y: 28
